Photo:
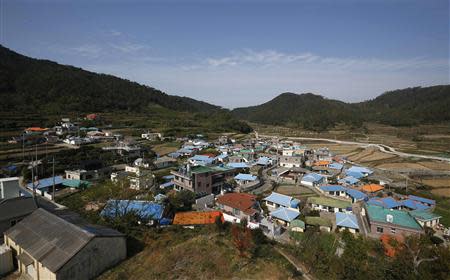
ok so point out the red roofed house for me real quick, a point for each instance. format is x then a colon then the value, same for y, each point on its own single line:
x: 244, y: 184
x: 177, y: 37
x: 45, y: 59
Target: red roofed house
x: 239, y: 206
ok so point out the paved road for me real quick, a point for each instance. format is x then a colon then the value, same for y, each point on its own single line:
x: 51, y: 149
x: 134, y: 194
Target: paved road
x: 383, y: 148
x: 267, y: 185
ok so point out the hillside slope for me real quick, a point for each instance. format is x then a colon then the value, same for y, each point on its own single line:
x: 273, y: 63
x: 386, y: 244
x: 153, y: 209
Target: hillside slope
x: 33, y: 85
x: 400, y: 107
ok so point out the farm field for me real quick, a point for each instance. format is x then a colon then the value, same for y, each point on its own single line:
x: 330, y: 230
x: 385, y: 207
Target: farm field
x: 294, y: 190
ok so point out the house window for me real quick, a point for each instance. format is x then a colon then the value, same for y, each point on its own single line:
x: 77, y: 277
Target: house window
x: 379, y: 229
x: 236, y: 212
x: 393, y: 230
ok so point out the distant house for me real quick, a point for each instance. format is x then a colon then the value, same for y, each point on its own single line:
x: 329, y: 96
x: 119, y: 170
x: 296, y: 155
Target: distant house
x: 385, y: 202
x: 9, y: 187
x: 284, y: 216
x: 244, y: 179
x: 356, y: 195
x: 197, y: 218
x: 297, y: 226
x: 409, y: 204
x: 347, y: 221
x: 164, y: 162
x: 138, y: 178
x: 336, y: 166
x: 323, y: 223
x: 291, y: 161
x: 349, y: 181
x: 358, y: 169
x: 329, y: 204
x: 372, y: 188
x: 48, y: 246
x: 264, y: 161
x: 201, y: 160
x: 238, y: 206
x: 13, y: 210
x: 44, y: 187
x: 313, y: 180
x: 426, y: 201
x: 334, y: 190
x: 396, y: 222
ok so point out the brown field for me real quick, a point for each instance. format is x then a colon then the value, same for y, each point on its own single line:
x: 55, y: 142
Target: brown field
x: 295, y: 191
x: 441, y: 192
x: 402, y: 165
x: 437, y: 183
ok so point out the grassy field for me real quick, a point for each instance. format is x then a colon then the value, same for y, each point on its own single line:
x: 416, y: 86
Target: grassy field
x: 295, y: 191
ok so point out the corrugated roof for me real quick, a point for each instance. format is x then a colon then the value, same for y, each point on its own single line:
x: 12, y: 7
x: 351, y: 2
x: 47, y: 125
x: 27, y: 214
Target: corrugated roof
x: 333, y: 188
x: 386, y: 202
x: 424, y: 215
x: 53, y: 240
x: 422, y: 199
x: 349, y: 180
x: 45, y: 183
x: 285, y: 214
x: 245, y: 177
x: 312, y: 177
x: 414, y: 205
x: 356, y: 194
x: 360, y: 169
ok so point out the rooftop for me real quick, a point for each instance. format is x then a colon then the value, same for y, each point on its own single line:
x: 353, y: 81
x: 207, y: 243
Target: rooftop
x: 400, y: 218
x: 285, y: 214
x: 242, y: 201
x: 347, y: 220
x: 142, y: 208
x: 283, y: 200
x: 333, y: 188
x: 371, y: 188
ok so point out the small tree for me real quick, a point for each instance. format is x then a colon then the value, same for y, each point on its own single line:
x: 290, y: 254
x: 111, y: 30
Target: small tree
x: 242, y: 239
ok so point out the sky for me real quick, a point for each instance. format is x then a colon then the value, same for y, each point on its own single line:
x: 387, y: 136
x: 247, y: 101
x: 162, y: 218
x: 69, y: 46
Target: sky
x: 241, y: 53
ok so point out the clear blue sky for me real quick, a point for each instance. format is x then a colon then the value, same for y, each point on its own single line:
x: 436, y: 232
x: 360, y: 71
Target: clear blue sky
x: 239, y: 53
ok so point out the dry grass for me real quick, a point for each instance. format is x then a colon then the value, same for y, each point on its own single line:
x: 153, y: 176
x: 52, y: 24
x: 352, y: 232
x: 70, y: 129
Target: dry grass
x: 445, y: 192
x: 166, y: 148
x: 437, y: 182
x: 293, y: 190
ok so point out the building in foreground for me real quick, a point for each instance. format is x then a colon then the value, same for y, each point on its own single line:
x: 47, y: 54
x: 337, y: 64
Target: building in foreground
x: 64, y: 247
x: 390, y: 221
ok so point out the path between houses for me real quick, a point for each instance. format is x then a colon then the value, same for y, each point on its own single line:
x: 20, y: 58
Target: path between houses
x: 292, y: 260
x: 383, y: 148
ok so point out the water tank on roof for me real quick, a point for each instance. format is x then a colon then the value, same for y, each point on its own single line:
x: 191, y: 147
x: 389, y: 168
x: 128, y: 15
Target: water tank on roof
x: 389, y: 218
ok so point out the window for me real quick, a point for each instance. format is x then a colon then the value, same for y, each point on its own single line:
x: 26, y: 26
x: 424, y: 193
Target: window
x: 236, y: 211
x: 379, y: 229
x: 393, y: 230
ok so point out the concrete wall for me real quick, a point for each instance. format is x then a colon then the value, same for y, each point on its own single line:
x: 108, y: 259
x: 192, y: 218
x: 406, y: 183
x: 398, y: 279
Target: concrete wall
x: 387, y: 229
x: 100, y: 254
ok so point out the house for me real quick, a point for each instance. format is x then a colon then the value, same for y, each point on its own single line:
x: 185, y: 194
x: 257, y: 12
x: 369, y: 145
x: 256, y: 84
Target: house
x: 264, y: 161
x: 44, y: 186
x: 347, y: 221
x: 425, y: 218
x: 426, y: 201
x: 48, y: 246
x: 276, y: 200
x: 386, y: 202
x: 164, y: 162
x: 354, y: 174
x: 323, y: 223
x: 329, y: 204
x: 349, y: 181
x: 372, y: 188
x: 86, y: 175
x: 396, y: 222
x: 222, y: 158
x: 9, y: 187
x: 409, y: 204
x: 237, y: 159
x: 245, y: 179
x: 197, y: 218
x: 152, y: 136
x: 284, y: 216
x: 358, y: 169
x: 201, y: 160
x: 334, y: 190
x: 313, y: 180
x: 297, y: 226
x: 137, y: 177
x: 336, y: 166
x: 13, y: 210
x: 202, y: 179
x: 238, y: 206
x: 147, y: 211
x: 291, y: 161
x: 356, y: 195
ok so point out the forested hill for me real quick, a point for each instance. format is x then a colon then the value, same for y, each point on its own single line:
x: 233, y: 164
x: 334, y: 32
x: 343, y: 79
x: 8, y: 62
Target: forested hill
x: 42, y: 86
x: 400, y: 107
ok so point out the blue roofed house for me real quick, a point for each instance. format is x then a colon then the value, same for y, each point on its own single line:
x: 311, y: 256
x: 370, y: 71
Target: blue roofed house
x: 149, y: 212
x: 243, y: 179
x: 336, y: 166
x: 365, y: 171
x: 284, y: 216
x: 334, y: 190
x: 201, y: 160
x: 44, y: 187
x: 356, y: 195
x: 385, y: 202
x: 409, y: 204
x: 276, y: 200
x: 264, y: 161
x: 347, y: 221
x: 349, y: 181
x: 354, y: 174
x: 313, y: 180
x: 426, y: 218
x: 426, y: 201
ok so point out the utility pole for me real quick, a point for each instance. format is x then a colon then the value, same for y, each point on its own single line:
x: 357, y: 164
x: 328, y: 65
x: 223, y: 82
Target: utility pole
x: 23, y: 147
x: 53, y: 175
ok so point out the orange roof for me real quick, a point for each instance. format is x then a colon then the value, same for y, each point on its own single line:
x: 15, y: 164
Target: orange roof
x: 196, y: 218
x: 322, y: 162
x: 36, y: 129
x: 241, y: 201
x: 390, y: 250
x: 371, y: 188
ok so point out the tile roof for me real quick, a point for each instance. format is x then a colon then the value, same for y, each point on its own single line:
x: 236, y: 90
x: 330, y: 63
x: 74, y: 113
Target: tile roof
x: 347, y: 220
x: 400, y: 218
x: 329, y: 202
x: 285, y: 214
x: 242, y: 201
x: 283, y: 200
x: 196, y: 218
x: 356, y: 194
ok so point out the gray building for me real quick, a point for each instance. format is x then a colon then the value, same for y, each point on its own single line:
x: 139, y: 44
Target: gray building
x: 63, y: 246
x: 9, y: 187
x: 13, y: 210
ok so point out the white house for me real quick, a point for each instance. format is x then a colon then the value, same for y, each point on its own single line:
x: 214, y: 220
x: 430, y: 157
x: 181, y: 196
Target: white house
x: 313, y: 180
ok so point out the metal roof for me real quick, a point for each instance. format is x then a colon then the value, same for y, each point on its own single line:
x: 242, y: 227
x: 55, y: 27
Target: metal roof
x: 400, y: 218
x: 312, y: 177
x: 422, y: 199
x: 333, y: 188
x: 285, y: 214
x: 283, y: 200
x: 245, y: 177
x: 356, y: 194
x: 386, y: 202
x: 45, y: 183
x: 16, y: 207
x: 54, y: 240
x: 347, y: 220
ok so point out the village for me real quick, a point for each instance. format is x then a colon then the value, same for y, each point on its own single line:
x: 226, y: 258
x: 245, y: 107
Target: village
x: 278, y: 186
